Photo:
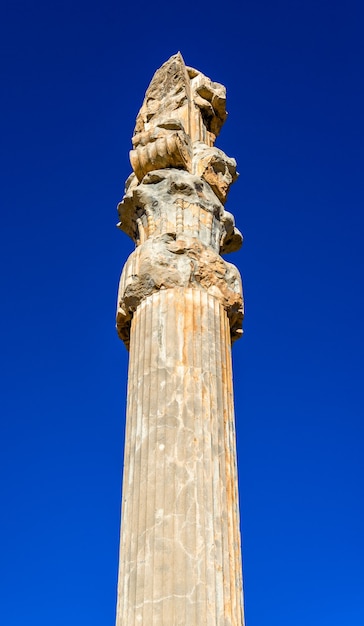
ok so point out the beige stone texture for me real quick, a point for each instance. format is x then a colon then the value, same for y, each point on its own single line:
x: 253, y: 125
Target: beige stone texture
x: 180, y: 558
x: 217, y: 169
x: 165, y: 262
x: 167, y: 145
x: 171, y: 201
x: 180, y: 308
x: 182, y: 93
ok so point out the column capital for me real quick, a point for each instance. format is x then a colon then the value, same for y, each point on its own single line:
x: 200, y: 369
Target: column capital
x: 173, y: 206
x: 169, y: 261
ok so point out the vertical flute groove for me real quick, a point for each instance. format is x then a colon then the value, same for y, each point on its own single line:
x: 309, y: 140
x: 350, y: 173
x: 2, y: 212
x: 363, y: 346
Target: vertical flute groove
x: 224, y: 346
x: 221, y: 386
x: 155, y: 300
x: 139, y: 448
x: 167, y: 491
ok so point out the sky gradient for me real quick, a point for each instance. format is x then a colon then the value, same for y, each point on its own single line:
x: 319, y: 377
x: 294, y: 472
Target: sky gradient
x: 74, y: 77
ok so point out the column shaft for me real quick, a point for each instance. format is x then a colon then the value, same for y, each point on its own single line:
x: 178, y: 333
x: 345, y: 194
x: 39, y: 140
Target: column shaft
x: 180, y: 562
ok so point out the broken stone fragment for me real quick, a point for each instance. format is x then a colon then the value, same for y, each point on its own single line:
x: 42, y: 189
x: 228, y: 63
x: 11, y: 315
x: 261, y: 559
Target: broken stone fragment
x: 215, y: 167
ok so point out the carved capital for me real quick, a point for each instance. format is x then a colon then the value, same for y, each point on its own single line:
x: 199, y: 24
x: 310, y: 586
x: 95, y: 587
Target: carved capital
x: 172, y: 201
x: 167, y: 145
x: 167, y: 262
x: 173, y: 206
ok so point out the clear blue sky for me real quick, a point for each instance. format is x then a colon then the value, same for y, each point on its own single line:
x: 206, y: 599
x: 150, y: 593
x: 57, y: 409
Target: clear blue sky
x: 73, y: 78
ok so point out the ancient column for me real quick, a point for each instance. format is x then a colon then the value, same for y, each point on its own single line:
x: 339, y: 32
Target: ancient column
x: 180, y: 307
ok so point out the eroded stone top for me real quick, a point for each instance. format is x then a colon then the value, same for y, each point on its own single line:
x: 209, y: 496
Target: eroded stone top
x: 174, y: 199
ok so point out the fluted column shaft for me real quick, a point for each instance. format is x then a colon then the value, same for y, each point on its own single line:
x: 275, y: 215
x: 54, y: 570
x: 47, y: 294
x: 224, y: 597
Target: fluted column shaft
x: 180, y: 562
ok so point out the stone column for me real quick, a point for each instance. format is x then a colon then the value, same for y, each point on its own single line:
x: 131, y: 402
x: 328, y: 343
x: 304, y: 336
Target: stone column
x: 179, y: 309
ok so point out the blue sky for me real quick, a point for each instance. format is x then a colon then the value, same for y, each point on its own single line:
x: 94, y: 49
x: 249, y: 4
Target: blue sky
x: 74, y: 76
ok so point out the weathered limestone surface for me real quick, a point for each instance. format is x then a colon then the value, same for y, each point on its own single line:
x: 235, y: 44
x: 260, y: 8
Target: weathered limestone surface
x: 180, y: 307
x: 180, y: 546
